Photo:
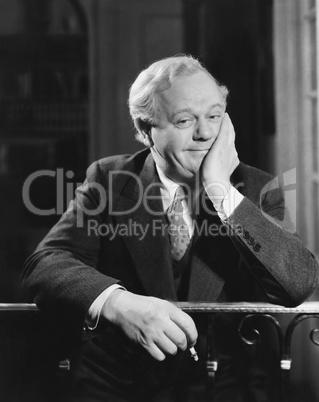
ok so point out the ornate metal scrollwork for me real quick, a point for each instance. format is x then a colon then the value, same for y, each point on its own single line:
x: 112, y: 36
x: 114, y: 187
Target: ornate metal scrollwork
x: 291, y: 327
x: 314, y: 336
x: 284, y: 339
x: 252, y: 336
x: 255, y: 332
x: 211, y: 362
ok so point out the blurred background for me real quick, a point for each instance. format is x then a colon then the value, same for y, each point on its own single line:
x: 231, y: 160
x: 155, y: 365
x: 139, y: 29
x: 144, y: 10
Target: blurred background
x: 65, y: 70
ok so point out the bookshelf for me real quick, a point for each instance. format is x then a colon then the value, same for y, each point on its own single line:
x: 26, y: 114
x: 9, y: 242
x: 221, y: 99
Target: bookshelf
x: 43, y: 127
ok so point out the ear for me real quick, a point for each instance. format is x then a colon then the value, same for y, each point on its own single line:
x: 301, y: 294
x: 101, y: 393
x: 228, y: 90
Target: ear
x: 144, y: 128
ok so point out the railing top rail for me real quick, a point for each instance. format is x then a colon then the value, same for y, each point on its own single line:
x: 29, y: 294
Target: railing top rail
x: 310, y: 307
x: 245, y: 307
x: 18, y: 307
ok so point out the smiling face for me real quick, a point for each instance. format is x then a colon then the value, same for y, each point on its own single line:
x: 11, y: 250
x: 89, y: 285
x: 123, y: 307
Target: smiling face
x: 188, y: 117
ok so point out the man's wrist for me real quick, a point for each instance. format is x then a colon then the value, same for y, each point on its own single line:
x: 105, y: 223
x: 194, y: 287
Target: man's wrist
x: 229, y: 203
x: 232, y: 201
x: 217, y: 190
x: 108, y: 310
x: 94, y: 312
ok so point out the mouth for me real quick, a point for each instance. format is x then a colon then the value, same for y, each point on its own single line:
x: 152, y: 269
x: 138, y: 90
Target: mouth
x: 198, y: 150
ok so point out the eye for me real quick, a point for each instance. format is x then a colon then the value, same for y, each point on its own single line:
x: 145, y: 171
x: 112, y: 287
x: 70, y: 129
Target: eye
x: 184, y: 122
x: 215, y: 117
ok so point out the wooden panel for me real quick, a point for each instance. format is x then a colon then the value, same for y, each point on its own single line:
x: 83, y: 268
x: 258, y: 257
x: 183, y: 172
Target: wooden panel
x: 125, y: 36
x: 162, y: 37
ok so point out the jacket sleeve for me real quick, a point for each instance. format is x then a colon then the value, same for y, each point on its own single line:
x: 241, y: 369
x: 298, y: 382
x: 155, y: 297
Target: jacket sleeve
x: 279, y: 261
x: 61, y: 275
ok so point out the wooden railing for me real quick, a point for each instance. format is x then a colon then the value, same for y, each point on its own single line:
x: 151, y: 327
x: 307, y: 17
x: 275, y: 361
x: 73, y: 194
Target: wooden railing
x: 25, y: 347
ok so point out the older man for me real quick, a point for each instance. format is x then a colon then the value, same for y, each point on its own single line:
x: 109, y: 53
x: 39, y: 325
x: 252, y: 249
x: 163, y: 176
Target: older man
x: 181, y: 220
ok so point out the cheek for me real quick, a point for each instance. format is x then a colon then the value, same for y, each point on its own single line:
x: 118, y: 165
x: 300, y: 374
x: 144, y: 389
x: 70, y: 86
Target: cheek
x: 168, y: 144
x: 159, y: 140
x: 216, y: 128
x: 180, y: 140
x: 172, y: 144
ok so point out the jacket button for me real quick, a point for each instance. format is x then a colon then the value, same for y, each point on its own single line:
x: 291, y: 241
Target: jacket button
x: 257, y: 247
x: 251, y: 241
x: 246, y: 234
x: 239, y: 229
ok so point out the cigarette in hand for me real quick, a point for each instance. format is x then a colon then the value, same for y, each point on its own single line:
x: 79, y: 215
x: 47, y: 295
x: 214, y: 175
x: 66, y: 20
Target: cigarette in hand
x: 194, y: 354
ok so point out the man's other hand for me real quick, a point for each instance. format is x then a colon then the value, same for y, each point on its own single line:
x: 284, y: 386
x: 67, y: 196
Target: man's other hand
x: 220, y: 161
x: 156, y: 324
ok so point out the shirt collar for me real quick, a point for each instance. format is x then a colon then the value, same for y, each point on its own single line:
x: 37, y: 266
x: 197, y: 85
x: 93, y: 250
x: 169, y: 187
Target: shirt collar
x: 168, y: 190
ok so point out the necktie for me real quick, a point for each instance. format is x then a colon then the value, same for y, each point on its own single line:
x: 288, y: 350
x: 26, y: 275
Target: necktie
x: 178, y: 229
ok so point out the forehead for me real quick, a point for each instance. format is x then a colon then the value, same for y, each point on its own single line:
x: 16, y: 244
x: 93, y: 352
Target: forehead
x: 196, y: 90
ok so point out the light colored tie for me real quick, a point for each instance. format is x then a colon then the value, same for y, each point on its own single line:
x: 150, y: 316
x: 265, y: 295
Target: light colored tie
x: 179, y: 235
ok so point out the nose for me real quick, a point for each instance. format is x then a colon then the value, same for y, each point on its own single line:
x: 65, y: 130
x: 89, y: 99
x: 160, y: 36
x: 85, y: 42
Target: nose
x: 204, y: 131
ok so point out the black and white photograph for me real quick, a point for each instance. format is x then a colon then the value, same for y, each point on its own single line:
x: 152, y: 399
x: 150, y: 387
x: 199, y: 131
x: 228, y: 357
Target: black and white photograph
x: 159, y: 207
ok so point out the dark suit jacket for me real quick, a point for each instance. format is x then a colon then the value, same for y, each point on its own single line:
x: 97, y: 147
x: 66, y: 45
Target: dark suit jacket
x: 255, y: 260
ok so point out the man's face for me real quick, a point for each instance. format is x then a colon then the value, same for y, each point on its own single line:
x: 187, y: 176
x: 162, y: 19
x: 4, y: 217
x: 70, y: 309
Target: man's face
x: 188, y: 118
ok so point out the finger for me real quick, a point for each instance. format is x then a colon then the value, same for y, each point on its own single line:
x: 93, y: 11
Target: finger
x: 236, y: 163
x: 185, y: 323
x: 225, y: 123
x: 166, y: 345
x: 223, y: 134
x: 232, y: 134
x: 177, y: 336
x: 155, y: 352
x: 228, y: 129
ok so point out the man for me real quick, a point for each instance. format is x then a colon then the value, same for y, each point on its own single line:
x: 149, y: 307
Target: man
x: 116, y: 261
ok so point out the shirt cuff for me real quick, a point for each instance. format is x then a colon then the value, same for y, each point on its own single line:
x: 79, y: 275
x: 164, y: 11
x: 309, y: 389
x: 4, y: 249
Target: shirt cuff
x: 94, y: 312
x: 228, y: 205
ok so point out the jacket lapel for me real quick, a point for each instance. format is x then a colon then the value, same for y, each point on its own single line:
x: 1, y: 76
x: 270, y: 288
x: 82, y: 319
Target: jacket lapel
x: 139, y: 206
x: 212, y: 254
x: 208, y: 257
